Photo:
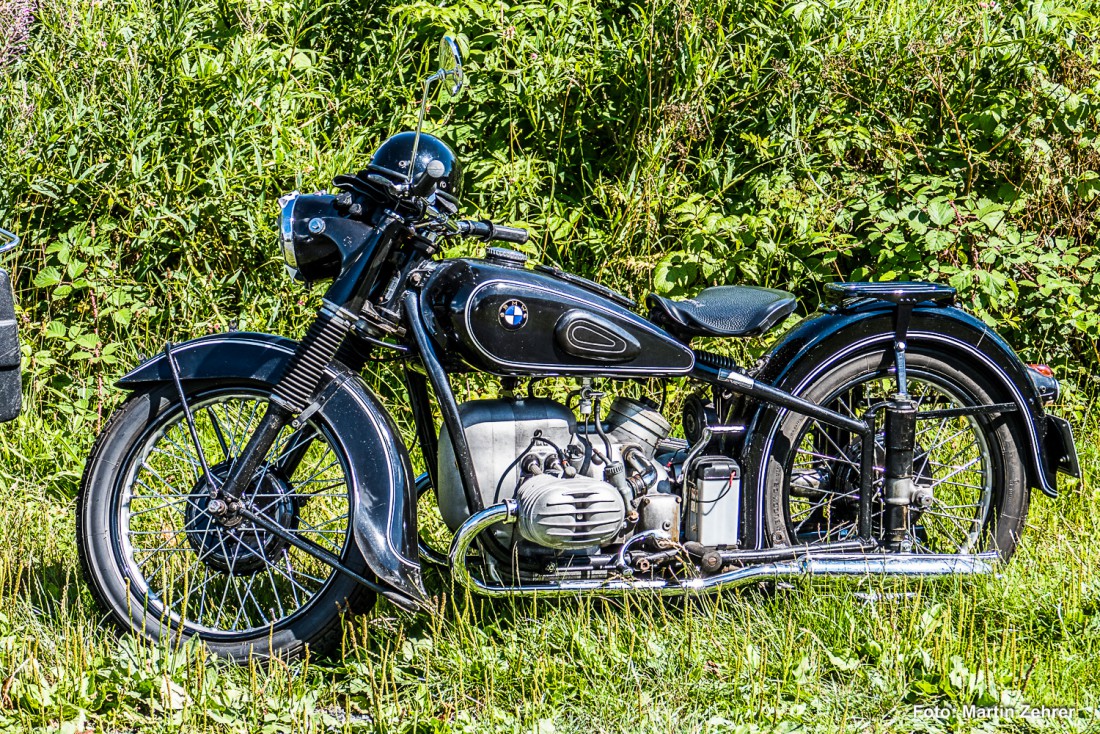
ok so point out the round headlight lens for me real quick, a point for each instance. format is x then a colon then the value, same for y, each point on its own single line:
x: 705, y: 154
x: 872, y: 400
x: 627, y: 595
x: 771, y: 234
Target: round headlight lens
x: 286, y: 228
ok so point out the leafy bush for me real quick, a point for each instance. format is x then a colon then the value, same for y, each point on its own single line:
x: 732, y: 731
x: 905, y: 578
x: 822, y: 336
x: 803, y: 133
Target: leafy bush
x: 668, y: 144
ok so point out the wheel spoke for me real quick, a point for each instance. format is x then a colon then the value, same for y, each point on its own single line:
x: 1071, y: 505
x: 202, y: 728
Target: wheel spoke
x: 163, y: 505
x: 218, y: 431
x: 826, y: 457
x: 301, y: 438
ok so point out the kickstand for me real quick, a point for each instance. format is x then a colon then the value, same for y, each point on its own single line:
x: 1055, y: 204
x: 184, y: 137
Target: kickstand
x: 190, y: 418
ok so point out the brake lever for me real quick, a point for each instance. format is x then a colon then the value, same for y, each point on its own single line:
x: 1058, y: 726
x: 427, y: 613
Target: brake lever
x: 437, y: 221
x: 395, y: 191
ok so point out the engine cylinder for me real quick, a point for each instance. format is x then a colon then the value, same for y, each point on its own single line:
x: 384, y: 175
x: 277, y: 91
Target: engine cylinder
x: 630, y: 421
x: 572, y: 513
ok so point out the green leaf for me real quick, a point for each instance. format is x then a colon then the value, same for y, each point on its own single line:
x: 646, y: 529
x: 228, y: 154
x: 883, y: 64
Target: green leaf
x: 88, y: 341
x: 842, y: 662
x: 937, y: 240
x: 992, y: 219
x: 47, y: 277
x: 56, y: 330
x: 941, y: 212
x: 75, y: 268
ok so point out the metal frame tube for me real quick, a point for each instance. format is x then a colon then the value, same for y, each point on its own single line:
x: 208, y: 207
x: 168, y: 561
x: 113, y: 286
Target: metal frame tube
x: 967, y: 410
x: 446, y: 400
x: 745, y: 385
x: 424, y: 422
x: 866, y: 483
x: 448, y: 406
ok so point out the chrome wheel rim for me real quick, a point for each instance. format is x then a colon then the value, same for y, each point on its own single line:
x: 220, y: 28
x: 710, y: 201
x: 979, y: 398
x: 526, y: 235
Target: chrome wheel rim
x: 193, y: 571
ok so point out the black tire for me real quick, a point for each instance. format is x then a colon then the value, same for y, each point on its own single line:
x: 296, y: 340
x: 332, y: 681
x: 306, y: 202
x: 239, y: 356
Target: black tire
x: 304, y: 599
x: 808, y: 474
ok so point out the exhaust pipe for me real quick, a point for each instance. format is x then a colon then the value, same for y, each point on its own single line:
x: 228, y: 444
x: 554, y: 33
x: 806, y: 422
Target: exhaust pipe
x: 808, y: 565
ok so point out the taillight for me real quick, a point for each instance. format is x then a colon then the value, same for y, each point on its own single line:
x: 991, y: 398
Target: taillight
x: 1042, y: 377
x: 1042, y: 369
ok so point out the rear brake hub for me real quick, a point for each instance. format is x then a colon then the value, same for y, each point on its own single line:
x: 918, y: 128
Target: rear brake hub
x: 846, y: 472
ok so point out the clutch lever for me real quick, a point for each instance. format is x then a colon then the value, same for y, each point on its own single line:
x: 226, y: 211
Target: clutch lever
x: 387, y: 187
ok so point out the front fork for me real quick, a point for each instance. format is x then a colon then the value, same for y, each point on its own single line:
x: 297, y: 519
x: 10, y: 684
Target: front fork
x: 291, y: 403
x: 291, y: 397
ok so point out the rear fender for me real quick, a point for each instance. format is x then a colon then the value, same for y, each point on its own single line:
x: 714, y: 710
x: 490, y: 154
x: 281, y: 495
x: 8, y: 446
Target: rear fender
x: 384, y: 500
x: 834, y: 334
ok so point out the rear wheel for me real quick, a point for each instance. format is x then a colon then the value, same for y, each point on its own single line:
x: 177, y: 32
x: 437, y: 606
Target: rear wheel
x: 163, y: 565
x: 971, y: 464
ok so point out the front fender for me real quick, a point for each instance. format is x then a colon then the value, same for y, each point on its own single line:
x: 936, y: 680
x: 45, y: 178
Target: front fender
x: 833, y: 333
x: 384, y: 502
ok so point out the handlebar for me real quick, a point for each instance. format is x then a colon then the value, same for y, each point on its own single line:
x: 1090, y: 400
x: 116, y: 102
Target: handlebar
x: 12, y: 240
x: 486, y: 230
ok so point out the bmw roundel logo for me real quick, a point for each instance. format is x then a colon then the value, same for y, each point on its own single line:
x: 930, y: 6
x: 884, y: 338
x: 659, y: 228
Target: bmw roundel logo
x: 513, y: 314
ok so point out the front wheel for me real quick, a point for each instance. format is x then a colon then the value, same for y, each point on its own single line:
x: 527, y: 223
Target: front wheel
x: 161, y: 565
x: 971, y: 465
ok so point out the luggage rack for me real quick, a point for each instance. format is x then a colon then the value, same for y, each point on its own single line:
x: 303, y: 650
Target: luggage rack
x: 895, y: 292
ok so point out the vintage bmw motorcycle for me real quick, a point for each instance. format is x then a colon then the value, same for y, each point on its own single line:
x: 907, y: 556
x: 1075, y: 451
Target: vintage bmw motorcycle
x: 252, y: 488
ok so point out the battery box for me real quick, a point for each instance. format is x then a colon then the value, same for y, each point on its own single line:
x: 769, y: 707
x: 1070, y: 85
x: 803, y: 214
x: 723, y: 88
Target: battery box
x: 714, y: 502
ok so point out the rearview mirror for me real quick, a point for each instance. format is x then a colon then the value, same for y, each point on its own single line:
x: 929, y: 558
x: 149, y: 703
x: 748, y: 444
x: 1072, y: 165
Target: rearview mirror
x: 450, y: 64
x: 450, y: 67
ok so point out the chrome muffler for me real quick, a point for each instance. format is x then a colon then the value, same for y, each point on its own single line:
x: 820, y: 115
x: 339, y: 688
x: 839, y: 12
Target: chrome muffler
x: 808, y: 565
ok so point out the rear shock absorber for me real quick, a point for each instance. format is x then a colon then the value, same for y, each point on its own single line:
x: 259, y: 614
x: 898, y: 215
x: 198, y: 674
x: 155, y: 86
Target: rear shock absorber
x: 901, y: 420
x: 292, y: 394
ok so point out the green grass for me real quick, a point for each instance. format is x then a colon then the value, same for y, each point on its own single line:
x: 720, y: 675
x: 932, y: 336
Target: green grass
x: 821, y: 656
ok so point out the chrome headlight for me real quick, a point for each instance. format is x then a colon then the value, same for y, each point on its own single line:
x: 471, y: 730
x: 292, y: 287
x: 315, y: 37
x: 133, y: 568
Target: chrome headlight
x: 286, y: 228
x: 311, y: 233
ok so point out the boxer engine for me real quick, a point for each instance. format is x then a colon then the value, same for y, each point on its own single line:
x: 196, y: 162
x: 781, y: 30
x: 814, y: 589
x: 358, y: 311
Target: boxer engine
x: 579, y: 487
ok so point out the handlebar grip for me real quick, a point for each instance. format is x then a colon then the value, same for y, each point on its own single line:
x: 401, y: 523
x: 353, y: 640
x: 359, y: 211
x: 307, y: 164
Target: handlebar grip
x: 517, y: 235
x: 488, y: 231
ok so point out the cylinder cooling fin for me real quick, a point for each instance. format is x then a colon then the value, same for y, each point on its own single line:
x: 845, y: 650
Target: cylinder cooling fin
x: 572, y: 513
x: 632, y: 421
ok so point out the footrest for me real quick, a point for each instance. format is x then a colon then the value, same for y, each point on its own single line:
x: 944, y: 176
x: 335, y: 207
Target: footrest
x: 897, y: 292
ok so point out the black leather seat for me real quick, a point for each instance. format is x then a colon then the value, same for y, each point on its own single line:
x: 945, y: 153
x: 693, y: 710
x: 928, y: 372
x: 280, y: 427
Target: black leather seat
x: 727, y: 310
x: 893, y: 291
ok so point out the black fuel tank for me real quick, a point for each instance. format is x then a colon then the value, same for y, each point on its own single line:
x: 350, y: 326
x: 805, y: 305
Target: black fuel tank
x: 512, y: 321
